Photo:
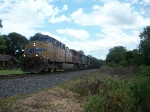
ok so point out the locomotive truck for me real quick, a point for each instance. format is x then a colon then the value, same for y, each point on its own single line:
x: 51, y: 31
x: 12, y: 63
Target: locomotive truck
x: 45, y: 53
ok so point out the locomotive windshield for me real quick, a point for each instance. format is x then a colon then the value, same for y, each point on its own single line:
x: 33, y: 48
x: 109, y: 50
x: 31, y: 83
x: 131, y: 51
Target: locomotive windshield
x: 40, y: 37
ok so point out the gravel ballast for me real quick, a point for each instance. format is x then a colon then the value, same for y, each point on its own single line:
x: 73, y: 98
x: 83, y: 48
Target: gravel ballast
x: 15, y: 86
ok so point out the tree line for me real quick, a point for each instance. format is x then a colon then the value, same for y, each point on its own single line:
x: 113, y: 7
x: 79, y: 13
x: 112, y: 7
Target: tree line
x: 120, y: 56
x: 14, y: 43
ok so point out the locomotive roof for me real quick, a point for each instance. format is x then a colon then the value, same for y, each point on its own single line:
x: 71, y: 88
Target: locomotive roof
x: 41, y: 37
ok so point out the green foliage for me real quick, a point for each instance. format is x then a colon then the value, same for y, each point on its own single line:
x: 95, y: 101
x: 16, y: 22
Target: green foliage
x: 142, y: 71
x: 8, y: 72
x: 120, y: 56
x: 141, y: 87
x: 80, y: 88
x: 76, y: 85
x: 132, y: 58
x: 2, y: 44
x: 115, y: 97
x: 6, y: 103
x: 81, y: 52
x: 113, y: 64
x: 85, y: 85
x: 144, y: 46
x: 102, y: 62
x: 2, y: 40
x: 115, y: 54
x: 95, y: 59
x: 96, y: 104
x: 1, y: 24
x: 15, y: 44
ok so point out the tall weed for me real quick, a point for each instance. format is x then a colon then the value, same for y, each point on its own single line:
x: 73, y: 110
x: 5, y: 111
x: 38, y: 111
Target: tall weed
x: 116, y: 97
x: 141, y: 88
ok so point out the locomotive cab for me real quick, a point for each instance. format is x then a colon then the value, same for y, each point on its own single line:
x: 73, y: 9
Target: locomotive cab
x: 34, y: 57
x: 42, y: 53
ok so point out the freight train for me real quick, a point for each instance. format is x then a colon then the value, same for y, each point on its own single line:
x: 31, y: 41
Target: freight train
x: 45, y: 53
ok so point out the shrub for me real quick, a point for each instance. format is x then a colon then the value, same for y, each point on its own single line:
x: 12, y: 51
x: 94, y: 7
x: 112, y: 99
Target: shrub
x: 141, y: 90
x: 96, y: 104
x: 116, y: 96
x: 143, y: 71
x: 80, y: 88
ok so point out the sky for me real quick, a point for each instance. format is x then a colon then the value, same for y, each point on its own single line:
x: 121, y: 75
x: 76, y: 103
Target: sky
x: 93, y: 26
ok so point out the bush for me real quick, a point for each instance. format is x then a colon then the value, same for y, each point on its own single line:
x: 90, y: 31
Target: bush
x: 117, y: 97
x: 80, y: 88
x: 141, y: 90
x: 113, y: 64
x: 143, y: 71
x: 96, y: 104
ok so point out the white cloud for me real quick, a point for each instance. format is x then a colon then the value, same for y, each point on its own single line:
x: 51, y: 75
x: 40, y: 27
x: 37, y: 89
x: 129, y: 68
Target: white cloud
x: 19, y: 16
x: 96, y: 7
x: 116, y: 14
x: 80, y: 18
x: 133, y: 1
x: 146, y: 2
x: 59, y: 19
x: 118, y: 37
x: 65, y: 7
x: 78, y: 34
x: 108, y: 1
x: 146, y: 12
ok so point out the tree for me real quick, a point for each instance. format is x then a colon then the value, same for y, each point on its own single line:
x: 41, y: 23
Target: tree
x: 95, y: 59
x: 37, y: 36
x: 2, y: 41
x: 115, y: 54
x: 81, y: 52
x: 144, y: 46
x: 1, y: 24
x: 2, y: 44
x: 16, y: 43
x: 132, y: 58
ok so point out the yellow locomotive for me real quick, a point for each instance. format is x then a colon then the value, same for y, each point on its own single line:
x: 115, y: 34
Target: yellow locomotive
x: 45, y: 53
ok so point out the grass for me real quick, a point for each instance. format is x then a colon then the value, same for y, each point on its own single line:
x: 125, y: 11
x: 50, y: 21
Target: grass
x: 7, y: 72
x: 7, y: 103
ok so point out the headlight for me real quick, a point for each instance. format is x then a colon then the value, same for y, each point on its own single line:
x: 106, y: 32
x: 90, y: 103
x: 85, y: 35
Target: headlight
x: 24, y: 55
x: 33, y: 44
x: 36, y: 55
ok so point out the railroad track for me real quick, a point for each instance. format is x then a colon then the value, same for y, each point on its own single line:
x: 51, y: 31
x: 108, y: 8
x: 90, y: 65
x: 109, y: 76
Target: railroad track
x: 13, y: 76
x: 34, y: 82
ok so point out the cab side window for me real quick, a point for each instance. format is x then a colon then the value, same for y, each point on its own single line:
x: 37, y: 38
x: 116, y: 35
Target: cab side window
x: 54, y: 42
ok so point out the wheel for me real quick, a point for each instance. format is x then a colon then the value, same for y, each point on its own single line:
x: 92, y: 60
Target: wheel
x: 52, y: 69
